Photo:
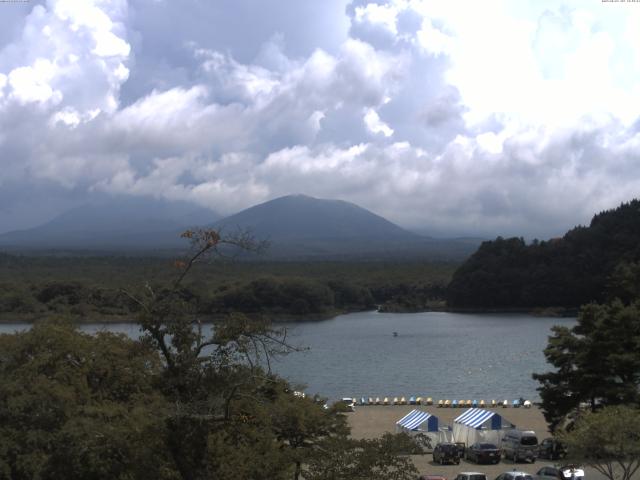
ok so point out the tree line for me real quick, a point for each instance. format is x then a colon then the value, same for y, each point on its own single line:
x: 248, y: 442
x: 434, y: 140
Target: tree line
x: 562, y: 272
x: 90, y: 293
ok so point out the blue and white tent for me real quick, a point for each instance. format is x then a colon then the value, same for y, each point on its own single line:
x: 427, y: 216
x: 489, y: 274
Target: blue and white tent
x: 480, y: 425
x: 419, y: 422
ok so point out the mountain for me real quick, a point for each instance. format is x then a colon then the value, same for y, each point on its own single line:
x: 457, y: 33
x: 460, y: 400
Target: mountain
x: 302, y: 226
x: 125, y: 223
x: 299, y: 217
x: 587, y: 264
x: 296, y: 226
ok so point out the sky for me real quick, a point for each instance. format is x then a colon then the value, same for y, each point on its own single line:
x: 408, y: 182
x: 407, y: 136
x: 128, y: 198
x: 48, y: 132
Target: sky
x: 448, y: 117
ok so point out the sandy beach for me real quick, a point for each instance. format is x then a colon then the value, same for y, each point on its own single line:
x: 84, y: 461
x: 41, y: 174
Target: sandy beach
x: 373, y: 421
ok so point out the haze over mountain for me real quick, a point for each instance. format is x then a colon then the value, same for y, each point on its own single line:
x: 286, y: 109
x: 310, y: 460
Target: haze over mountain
x: 122, y: 223
x: 296, y: 226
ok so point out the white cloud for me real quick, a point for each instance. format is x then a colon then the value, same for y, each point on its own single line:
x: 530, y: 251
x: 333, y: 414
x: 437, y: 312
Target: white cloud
x: 468, y: 117
x: 375, y: 125
x: 31, y: 84
x: 71, y: 54
x: 378, y: 14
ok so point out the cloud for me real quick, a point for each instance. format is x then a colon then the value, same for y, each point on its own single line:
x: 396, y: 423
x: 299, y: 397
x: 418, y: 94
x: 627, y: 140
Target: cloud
x: 488, y: 118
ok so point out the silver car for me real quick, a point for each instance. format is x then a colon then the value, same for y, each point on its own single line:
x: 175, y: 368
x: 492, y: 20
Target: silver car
x: 568, y: 472
x: 515, y: 475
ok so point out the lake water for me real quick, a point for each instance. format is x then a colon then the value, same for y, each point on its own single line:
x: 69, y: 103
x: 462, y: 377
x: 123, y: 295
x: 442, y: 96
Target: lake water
x: 436, y: 354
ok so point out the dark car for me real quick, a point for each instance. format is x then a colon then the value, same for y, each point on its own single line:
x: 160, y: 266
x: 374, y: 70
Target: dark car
x: 432, y: 477
x: 446, y: 452
x: 552, y: 449
x: 483, y: 453
x: 548, y: 473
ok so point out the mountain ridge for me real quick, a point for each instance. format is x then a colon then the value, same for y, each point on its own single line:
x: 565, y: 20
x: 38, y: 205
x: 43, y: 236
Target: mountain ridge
x: 297, y: 226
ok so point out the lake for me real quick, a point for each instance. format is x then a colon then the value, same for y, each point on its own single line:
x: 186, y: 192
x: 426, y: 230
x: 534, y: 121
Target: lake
x: 436, y: 354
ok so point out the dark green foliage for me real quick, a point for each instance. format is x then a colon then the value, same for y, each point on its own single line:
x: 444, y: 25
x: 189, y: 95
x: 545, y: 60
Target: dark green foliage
x: 103, y: 407
x: 89, y: 288
x: 79, y: 407
x: 607, y: 440
x: 565, y: 272
x: 597, y: 362
x: 384, y: 458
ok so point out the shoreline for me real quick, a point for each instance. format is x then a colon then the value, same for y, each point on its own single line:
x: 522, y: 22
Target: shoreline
x: 9, y: 318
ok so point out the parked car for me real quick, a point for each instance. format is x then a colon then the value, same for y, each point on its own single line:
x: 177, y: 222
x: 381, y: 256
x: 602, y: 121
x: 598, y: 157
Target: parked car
x: 547, y: 473
x: 552, y: 449
x: 515, y: 475
x: 349, y: 403
x: 471, y: 476
x: 567, y: 472
x: 446, y: 452
x: 520, y: 445
x: 483, y: 453
x: 571, y: 472
x: 432, y: 477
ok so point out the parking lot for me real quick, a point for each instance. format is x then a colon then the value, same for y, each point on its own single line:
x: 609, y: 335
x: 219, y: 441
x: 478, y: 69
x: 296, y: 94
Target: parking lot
x: 374, y: 420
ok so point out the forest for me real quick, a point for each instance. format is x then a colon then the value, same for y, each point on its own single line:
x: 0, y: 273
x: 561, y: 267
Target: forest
x: 90, y: 288
x: 567, y: 272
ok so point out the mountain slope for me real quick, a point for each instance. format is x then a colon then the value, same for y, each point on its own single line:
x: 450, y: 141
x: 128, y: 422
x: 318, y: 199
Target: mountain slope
x: 563, y: 272
x: 299, y: 217
x: 135, y: 223
x: 298, y: 226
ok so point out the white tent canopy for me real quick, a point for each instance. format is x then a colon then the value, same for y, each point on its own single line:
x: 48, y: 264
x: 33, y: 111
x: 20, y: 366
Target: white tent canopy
x: 480, y: 425
x: 419, y: 422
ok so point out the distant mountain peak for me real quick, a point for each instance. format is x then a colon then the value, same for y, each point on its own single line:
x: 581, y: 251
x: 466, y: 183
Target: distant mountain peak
x: 297, y: 217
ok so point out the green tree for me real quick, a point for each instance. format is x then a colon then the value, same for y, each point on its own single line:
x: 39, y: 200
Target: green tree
x: 78, y: 406
x: 597, y: 361
x: 343, y: 458
x: 607, y: 440
x: 182, y: 402
x: 302, y: 423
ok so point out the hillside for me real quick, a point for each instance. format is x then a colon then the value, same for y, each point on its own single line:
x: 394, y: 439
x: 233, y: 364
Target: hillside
x: 126, y: 223
x: 564, y: 272
x: 299, y: 226
x: 299, y: 217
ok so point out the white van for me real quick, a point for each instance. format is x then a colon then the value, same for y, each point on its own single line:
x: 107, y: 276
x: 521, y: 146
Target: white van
x: 520, y: 445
